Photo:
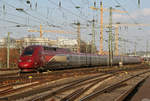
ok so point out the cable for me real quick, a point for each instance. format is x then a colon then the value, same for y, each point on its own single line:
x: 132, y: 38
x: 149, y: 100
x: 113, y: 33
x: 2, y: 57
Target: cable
x: 45, y: 18
x: 37, y: 18
x: 83, y: 18
x: 11, y: 21
x: 80, y: 9
x: 126, y: 11
x: 26, y: 13
x: 34, y: 11
x: 18, y: 16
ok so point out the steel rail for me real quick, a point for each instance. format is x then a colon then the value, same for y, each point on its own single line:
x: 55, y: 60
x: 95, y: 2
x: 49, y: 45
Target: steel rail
x: 70, y: 86
x: 45, y: 75
x: 42, y: 89
x: 106, y: 89
x: 78, y: 92
x: 125, y: 94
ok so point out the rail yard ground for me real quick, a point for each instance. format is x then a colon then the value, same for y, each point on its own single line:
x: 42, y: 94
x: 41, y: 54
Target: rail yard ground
x: 93, y: 84
x: 74, y: 50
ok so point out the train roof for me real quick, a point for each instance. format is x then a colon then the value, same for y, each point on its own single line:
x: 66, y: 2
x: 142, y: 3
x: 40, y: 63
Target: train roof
x: 49, y: 47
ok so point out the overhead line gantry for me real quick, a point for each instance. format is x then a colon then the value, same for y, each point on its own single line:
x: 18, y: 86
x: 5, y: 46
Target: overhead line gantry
x: 101, y: 22
x: 117, y: 33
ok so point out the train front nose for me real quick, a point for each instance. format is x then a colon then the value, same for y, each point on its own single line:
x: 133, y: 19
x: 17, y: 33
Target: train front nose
x: 26, y: 62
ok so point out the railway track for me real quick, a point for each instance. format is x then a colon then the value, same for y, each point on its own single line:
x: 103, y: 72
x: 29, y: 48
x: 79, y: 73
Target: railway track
x: 9, y: 75
x: 76, y: 84
x: 16, y: 83
x: 77, y: 92
x: 111, y: 87
x: 34, y: 84
x: 65, y: 86
x: 75, y: 95
x: 13, y: 78
x: 8, y: 69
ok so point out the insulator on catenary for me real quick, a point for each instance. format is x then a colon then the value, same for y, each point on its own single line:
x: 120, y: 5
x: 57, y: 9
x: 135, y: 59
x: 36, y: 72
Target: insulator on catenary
x: 3, y: 7
x: 59, y: 3
x: 139, y: 3
x: 28, y: 1
x: 94, y: 4
x: 30, y: 5
x: 36, y: 5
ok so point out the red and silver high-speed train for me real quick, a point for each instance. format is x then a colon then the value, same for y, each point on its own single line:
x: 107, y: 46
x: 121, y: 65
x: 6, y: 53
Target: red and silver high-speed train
x: 38, y: 57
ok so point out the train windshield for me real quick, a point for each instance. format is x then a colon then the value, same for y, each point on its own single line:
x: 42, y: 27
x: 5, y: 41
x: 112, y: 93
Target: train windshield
x: 28, y: 51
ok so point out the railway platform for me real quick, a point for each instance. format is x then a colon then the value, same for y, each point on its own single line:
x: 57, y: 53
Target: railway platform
x: 143, y: 93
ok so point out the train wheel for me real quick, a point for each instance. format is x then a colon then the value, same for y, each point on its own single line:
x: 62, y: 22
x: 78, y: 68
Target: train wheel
x: 40, y: 70
x: 49, y: 70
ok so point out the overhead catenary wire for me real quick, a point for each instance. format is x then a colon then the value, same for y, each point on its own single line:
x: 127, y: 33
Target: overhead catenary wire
x: 78, y: 7
x: 81, y: 17
x: 47, y: 23
x: 11, y: 21
x: 20, y: 17
x: 126, y: 11
x: 33, y: 10
x: 29, y: 13
x: 25, y: 12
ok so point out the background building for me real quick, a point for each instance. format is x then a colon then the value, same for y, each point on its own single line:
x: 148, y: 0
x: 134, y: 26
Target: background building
x: 67, y: 43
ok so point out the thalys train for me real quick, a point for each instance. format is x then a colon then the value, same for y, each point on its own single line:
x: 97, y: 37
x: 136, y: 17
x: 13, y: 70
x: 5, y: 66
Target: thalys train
x: 38, y: 57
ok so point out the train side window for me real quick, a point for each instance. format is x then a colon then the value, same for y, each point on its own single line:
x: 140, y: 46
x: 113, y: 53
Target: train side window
x: 51, y: 49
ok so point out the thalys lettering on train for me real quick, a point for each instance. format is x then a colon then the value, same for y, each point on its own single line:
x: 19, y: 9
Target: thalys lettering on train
x: 38, y: 57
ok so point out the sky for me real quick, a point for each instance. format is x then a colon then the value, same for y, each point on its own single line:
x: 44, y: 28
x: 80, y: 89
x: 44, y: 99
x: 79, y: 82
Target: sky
x: 63, y: 14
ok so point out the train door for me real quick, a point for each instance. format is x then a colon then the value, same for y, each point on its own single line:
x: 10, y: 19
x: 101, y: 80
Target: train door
x: 90, y: 60
x: 87, y: 60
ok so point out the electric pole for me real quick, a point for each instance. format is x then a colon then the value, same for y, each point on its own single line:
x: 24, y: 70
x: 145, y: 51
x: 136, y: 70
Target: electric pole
x: 116, y: 40
x: 147, y: 48
x: 8, y: 41
x: 135, y: 49
x: 117, y: 33
x: 101, y: 22
x: 78, y: 37
x: 110, y: 38
x: 101, y: 29
x: 93, y: 36
x: 125, y: 48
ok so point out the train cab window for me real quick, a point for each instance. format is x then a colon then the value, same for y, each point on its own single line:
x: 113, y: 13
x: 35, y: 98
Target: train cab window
x: 54, y: 49
x: 28, y: 51
x: 45, y: 48
x: 49, y: 48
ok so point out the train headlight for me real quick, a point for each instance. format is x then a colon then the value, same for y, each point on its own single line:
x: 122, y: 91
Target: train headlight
x: 19, y: 60
x: 29, y: 60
